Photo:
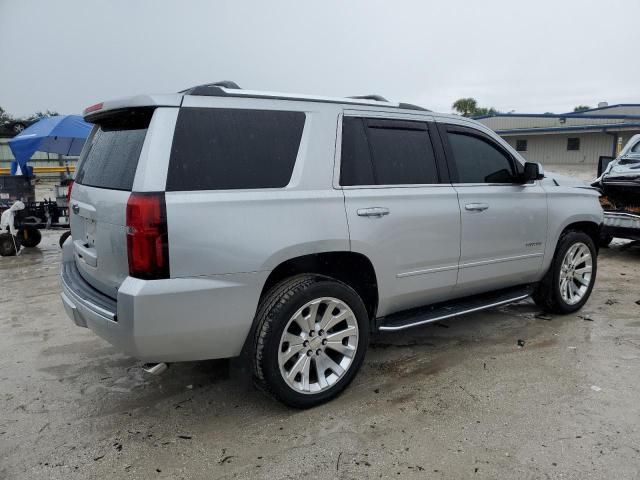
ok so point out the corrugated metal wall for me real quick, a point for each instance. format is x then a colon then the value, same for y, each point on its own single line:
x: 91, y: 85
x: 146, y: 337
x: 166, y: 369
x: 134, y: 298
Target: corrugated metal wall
x: 552, y: 149
x: 514, y: 121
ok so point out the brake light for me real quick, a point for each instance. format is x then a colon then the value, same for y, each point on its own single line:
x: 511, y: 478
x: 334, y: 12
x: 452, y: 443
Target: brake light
x: 69, y: 188
x: 147, y: 238
x: 93, y: 108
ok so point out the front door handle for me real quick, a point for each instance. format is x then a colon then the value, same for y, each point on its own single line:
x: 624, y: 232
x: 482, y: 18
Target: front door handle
x: 476, y: 207
x: 373, y: 212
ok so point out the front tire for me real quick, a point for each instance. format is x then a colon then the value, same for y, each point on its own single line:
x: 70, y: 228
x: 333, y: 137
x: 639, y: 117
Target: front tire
x: 311, y: 339
x: 568, y: 284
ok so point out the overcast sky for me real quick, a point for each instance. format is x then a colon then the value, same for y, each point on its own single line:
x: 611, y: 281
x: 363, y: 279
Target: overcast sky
x: 532, y: 56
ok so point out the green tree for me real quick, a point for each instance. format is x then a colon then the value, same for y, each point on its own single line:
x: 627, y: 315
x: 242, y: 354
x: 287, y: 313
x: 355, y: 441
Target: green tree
x: 465, y: 106
x: 39, y: 115
x: 468, y: 107
x: 581, y: 108
x: 4, y: 116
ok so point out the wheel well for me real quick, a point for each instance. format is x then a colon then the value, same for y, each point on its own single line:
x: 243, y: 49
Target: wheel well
x: 590, y: 228
x: 352, y: 268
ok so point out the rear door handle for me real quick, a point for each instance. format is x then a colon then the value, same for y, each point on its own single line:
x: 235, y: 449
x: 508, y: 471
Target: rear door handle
x: 476, y: 207
x: 373, y: 212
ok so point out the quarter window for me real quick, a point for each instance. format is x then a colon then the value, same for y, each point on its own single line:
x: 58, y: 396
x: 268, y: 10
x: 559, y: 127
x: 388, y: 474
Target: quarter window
x: 573, y: 144
x: 220, y: 149
x: 478, y: 161
x: 386, y: 152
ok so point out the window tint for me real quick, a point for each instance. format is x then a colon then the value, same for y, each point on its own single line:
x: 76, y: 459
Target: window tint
x: 477, y: 161
x: 573, y: 144
x: 401, y: 153
x: 386, y: 152
x: 636, y: 148
x: 111, y: 158
x: 355, y: 162
x: 219, y: 149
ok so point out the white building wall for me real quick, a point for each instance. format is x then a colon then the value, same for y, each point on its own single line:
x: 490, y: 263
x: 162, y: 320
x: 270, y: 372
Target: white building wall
x: 552, y: 149
x: 508, y: 122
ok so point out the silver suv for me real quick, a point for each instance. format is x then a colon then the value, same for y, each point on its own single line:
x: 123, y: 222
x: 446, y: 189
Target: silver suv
x: 219, y: 220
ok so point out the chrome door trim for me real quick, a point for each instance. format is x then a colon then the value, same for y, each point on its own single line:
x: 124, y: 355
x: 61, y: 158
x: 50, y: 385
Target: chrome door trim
x: 414, y: 273
x: 499, y: 260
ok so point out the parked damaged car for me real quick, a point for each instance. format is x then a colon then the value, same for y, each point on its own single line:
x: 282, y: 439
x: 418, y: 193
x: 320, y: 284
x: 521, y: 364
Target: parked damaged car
x: 619, y: 183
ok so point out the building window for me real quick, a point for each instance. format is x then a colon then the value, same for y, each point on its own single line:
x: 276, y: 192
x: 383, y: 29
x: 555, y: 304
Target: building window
x: 521, y: 145
x: 573, y: 144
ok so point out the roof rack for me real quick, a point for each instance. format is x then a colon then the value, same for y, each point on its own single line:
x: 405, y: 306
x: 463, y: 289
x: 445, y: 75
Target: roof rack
x: 220, y: 89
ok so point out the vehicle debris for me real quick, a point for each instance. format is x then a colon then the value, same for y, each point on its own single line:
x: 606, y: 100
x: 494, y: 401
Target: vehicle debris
x: 619, y: 184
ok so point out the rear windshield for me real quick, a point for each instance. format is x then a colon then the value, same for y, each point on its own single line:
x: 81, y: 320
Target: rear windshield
x: 220, y: 149
x: 111, y: 158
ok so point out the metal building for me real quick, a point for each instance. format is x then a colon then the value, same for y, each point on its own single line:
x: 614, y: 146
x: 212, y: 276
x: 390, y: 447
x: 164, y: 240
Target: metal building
x: 568, y: 138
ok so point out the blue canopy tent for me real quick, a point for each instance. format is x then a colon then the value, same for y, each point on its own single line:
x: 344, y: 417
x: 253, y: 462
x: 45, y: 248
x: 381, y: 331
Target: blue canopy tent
x: 63, y: 134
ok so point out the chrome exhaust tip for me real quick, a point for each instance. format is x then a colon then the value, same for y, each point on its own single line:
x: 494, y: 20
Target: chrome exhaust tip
x: 155, y: 368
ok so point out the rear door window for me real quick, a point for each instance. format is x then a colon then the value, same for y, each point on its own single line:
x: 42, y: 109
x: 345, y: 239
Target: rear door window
x: 111, y: 158
x: 386, y: 152
x: 223, y: 149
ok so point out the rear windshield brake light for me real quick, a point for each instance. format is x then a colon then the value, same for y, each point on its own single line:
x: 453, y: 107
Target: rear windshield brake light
x: 93, y: 108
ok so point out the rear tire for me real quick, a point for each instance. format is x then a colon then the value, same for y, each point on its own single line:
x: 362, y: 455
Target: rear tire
x: 311, y: 338
x: 8, y: 244
x: 563, y: 289
x: 30, y: 236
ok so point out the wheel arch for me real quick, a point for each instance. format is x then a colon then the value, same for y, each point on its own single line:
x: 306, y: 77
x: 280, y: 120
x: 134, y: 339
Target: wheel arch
x: 354, y: 269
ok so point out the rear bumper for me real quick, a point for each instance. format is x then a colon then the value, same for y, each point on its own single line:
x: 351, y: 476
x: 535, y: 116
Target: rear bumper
x: 622, y: 225
x: 169, y: 320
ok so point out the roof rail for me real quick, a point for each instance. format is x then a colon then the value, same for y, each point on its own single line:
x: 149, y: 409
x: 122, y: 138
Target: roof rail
x: 221, y: 89
x: 377, y: 98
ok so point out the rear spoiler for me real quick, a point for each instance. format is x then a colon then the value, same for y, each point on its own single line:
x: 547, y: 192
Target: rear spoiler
x: 97, y: 110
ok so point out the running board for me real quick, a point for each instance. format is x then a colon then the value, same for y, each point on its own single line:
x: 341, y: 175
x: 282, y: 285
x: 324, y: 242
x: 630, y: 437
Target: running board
x: 442, y: 311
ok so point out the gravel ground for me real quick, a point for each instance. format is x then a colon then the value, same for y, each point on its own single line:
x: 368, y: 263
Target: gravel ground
x: 459, y: 399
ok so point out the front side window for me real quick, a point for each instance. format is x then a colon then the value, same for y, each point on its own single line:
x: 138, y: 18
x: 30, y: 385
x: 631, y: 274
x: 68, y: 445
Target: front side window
x: 386, y: 152
x: 222, y: 149
x: 479, y: 161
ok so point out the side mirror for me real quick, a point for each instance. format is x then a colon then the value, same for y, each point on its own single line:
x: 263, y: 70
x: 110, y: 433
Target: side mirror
x: 532, y: 171
x: 603, y: 163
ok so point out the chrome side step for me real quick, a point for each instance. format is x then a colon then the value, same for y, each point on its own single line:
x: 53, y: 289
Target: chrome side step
x: 433, y: 313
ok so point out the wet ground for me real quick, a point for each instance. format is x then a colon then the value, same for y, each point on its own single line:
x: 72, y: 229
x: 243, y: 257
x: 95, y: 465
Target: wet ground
x: 459, y: 399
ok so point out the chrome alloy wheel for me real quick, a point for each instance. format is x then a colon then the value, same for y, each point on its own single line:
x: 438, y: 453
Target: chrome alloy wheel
x: 318, y: 345
x: 575, y: 273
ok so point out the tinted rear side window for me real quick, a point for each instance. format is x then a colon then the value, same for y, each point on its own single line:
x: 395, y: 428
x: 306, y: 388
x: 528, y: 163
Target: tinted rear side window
x: 386, y: 152
x: 111, y: 158
x: 402, y: 153
x: 355, y: 163
x: 221, y: 149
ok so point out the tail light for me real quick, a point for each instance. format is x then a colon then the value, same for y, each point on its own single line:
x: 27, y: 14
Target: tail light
x: 69, y: 188
x: 147, y: 239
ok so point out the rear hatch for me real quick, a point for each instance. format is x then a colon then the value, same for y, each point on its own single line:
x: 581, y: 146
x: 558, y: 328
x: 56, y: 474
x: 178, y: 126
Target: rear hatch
x: 103, y: 184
